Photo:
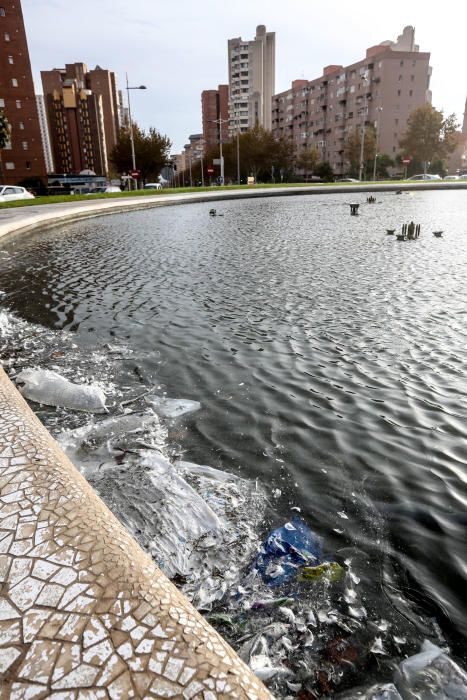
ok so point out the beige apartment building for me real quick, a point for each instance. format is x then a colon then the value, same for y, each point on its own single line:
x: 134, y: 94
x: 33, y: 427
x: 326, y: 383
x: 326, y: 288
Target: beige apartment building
x: 251, y: 80
x: 381, y: 90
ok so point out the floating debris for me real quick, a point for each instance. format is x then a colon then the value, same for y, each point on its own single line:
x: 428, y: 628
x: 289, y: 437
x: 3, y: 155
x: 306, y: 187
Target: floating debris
x: 50, y: 388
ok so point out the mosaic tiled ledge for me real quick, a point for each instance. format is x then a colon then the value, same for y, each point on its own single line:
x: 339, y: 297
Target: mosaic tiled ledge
x: 84, y: 612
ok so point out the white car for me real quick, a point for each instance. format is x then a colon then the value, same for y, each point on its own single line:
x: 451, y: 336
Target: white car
x: 153, y: 186
x: 9, y: 192
x: 427, y: 176
x: 451, y: 177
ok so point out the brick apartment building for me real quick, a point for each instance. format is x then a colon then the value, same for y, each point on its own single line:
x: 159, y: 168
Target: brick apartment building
x: 382, y: 90
x: 23, y: 157
x: 83, y: 115
x: 215, y: 115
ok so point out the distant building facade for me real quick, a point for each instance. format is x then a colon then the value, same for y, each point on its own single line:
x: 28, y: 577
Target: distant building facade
x: 23, y: 157
x: 83, y: 116
x: 44, y: 127
x: 215, y: 115
x: 380, y: 90
x: 251, y: 80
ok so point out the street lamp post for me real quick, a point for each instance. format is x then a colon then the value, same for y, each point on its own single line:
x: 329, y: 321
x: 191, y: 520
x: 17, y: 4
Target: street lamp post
x: 362, y: 132
x: 379, y: 109
x: 132, y: 138
x: 220, y: 122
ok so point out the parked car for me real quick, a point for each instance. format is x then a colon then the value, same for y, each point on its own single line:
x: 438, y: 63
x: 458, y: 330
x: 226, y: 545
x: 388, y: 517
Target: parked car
x: 424, y: 176
x: 347, y: 179
x: 463, y: 177
x: 451, y: 177
x: 153, y: 186
x: 112, y: 188
x: 9, y: 193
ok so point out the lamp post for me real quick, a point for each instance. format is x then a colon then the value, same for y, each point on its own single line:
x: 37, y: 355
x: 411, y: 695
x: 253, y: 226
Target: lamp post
x: 362, y: 132
x: 132, y: 138
x: 220, y: 122
x: 379, y: 109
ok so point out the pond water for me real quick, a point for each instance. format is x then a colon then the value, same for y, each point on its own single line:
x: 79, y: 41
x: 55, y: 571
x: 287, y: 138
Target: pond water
x: 329, y: 360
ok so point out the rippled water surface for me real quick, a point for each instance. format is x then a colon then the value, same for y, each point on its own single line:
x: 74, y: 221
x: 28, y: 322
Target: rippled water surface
x: 329, y: 359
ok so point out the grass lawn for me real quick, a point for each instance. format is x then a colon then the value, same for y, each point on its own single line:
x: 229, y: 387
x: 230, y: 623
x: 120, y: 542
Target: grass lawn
x: 56, y: 199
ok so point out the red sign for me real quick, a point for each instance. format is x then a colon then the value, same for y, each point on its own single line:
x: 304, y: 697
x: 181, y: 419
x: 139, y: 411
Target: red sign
x: 210, y: 171
x: 135, y: 174
x: 407, y: 160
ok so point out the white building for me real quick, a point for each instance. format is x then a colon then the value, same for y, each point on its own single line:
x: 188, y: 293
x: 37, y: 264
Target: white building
x: 251, y: 80
x: 44, y: 127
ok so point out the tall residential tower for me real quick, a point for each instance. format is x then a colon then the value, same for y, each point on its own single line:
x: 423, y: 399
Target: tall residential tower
x: 251, y: 80
x: 23, y: 157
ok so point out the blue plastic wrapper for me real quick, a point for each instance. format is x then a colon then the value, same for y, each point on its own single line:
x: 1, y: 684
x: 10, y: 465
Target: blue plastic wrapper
x: 287, y: 549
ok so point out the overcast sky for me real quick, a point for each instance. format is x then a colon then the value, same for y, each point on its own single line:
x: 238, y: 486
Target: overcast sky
x: 178, y: 48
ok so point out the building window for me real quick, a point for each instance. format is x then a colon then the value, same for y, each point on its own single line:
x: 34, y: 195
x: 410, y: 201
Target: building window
x: 24, y: 145
x: 28, y: 165
x: 2, y: 12
x: 400, y: 78
x: 18, y: 104
x: 402, y: 63
x: 14, y: 82
x: 2, y: 102
x: 398, y: 93
x: 6, y: 36
x: 9, y: 165
x: 21, y: 125
x: 410, y: 93
x: 10, y: 60
x: 397, y: 121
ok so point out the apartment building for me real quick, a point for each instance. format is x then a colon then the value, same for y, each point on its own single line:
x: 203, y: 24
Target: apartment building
x: 215, y: 115
x: 251, y: 80
x: 22, y: 158
x: 44, y: 127
x: 380, y: 90
x: 83, y: 116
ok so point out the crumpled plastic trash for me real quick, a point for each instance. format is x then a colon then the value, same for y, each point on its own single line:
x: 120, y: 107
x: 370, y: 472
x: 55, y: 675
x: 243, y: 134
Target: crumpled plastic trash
x: 5, y: 325
x: 431, y: 674
x: 286, y: 549
x: 172, y: 408
x: 332, y: 570
x: 50, y: 388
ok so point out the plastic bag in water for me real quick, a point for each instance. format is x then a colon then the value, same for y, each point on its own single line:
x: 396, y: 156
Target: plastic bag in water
x: 172, y: 408
x: 286, y: 549
x: 50, y: 388
x: 431, y: 674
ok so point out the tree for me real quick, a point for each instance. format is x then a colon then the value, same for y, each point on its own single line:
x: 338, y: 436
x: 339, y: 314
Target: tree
x: 383, y: 162
x: 151, y: 152
x: 307, y: 160
x: 352, y: 150
x: 5, y: 130
x: 429, y: 136
x: 324, y: 171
